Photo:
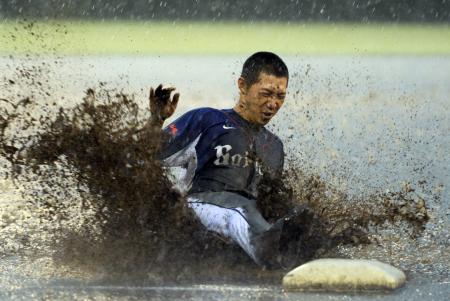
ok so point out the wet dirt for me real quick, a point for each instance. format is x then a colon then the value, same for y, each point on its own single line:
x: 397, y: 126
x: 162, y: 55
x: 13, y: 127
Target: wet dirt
x: 138, y: 225
x: 97, y: 204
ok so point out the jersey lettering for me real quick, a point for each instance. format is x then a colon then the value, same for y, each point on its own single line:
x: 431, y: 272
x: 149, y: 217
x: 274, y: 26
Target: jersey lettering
x: 236, y: 160
x: 223, y: 157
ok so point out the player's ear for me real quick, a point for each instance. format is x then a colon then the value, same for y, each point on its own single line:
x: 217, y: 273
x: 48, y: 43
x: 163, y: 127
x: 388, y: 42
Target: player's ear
x: 242, y: 86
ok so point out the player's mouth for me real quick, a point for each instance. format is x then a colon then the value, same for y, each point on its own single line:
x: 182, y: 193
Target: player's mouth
x: 267, y: 115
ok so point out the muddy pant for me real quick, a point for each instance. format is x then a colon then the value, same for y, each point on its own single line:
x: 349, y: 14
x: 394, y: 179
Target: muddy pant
x: 237, y: 218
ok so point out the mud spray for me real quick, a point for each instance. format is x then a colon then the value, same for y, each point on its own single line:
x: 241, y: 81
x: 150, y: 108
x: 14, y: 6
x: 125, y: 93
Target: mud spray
x: 99, y: 158
x: 90, y: 194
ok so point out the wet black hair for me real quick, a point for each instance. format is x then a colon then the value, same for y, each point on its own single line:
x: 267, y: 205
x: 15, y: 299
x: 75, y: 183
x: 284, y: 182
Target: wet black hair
x: 266, y: 62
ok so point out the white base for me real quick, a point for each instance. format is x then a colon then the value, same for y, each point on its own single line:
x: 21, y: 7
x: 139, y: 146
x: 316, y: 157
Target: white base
x: 343, y: 275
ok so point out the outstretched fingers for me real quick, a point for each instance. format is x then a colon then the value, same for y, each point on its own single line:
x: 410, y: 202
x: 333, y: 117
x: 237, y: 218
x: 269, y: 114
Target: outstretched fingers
x: 152, y: 93
x: 174, y: 101
x: 165, y: 93
x: 162, y: 103
x: 168, y: 89
x: 158, y: 89
x: 152, y: 101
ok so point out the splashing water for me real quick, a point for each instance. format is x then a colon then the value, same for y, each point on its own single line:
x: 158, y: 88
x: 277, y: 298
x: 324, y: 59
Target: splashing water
x: 103, y: 203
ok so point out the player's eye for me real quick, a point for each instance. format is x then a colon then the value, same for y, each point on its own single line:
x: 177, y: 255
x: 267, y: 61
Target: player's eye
x: 281, y: 96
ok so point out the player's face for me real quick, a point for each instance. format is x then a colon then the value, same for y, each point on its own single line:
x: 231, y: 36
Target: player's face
x: 263, y: 99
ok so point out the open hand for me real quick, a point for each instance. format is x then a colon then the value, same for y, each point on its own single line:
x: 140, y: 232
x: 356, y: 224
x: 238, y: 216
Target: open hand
x: 162, y: 104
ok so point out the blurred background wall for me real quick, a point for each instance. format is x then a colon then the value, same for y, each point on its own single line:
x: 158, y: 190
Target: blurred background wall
x: 241, y: 10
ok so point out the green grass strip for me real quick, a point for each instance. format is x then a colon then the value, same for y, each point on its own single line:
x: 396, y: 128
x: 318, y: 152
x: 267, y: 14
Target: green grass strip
x: 197, y: 38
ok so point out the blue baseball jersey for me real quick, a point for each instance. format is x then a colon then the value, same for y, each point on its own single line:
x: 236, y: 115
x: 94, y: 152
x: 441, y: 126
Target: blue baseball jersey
x: 221, y: 151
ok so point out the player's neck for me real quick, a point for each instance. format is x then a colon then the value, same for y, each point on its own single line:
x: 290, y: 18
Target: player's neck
x: 243, y: 113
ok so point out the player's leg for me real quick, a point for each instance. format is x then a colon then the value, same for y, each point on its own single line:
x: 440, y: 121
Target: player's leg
x: 278, y: 244
x: 243, y: 224
x: 230, y: 223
